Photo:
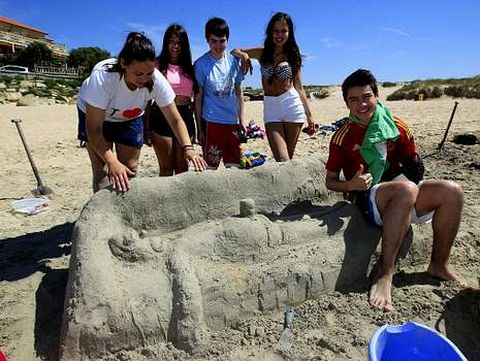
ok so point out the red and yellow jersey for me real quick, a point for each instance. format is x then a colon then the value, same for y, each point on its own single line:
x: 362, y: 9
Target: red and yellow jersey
x: 344, y: 153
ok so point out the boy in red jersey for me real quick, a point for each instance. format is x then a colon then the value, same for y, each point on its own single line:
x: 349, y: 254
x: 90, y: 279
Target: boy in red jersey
x: 384, y: 178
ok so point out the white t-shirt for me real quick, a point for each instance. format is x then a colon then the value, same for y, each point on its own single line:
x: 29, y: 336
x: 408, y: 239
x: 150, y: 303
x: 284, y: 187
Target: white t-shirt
x: 106, y: 90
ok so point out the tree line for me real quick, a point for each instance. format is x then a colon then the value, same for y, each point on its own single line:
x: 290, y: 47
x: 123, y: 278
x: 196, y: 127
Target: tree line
x: 38, y: 53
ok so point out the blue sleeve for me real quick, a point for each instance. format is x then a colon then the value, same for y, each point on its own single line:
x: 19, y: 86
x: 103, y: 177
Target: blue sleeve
x: 239, y: 78
x: 198, y: 69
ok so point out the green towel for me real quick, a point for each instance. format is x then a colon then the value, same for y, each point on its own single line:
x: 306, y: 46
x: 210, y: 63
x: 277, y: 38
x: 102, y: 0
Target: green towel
x: 374, y: 147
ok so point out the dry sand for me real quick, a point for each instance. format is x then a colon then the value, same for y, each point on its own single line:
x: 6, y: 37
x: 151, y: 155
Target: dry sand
x: 34, y: 250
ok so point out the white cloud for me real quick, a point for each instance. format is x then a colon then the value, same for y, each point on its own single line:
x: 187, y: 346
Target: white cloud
x: 397, y: 31
x: 330, y: 43
x: 309, y: 57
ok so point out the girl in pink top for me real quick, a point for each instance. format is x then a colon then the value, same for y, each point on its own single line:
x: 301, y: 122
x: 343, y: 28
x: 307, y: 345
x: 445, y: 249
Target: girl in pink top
x: 175, y: 63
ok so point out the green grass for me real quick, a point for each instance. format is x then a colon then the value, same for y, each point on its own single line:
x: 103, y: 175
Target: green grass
x: 388, y: 84
x: 431, y: 88
x: 435, y: 88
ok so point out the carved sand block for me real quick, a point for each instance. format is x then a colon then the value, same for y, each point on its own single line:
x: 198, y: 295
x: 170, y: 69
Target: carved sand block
x: 177, y: 257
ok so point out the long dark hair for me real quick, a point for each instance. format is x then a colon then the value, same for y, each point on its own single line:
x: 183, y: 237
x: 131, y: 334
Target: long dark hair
x: 137, y: 47
x: 290, y: 48
x: 185, y: 57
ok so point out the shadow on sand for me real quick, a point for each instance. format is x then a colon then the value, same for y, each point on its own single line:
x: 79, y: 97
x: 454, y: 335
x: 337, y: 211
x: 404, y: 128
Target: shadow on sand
x: 462, y: 322
x: 27, y: 254
x: 361, y: 239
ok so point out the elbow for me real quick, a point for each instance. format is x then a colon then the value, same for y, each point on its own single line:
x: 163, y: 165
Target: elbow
x: 328, y: 184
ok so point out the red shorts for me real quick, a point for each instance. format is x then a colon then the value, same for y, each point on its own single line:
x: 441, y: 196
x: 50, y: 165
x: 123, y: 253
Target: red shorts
x: 222, y: 141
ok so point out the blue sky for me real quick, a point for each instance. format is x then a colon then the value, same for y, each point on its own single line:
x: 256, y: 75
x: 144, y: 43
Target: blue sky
x: 396, y: 39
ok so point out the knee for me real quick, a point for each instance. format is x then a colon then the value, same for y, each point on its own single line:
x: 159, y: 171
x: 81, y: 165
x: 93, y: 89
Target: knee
x: 99, y: 173
x: 100, y: 183
x: 132, y: 165
x: 453, y: 194
x: 165, y: 172
x: 405, y: 193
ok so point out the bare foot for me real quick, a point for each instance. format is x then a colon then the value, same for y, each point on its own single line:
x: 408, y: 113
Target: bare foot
x: 375, y: 272
x: 380, y: 292
x: 442, y: 272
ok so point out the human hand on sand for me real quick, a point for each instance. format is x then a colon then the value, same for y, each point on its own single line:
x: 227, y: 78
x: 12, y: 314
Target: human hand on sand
x: 118, y: 174
x: 196, y: 160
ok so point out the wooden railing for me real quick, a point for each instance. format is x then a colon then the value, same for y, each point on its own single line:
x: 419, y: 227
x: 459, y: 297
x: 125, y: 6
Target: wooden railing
x: 23, y: 42
x: 4, y: 58
x: 61, y: 70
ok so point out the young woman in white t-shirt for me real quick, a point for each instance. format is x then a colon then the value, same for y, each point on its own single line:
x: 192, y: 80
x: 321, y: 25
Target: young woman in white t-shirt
x: 175, y: 63
x: 114, y: 99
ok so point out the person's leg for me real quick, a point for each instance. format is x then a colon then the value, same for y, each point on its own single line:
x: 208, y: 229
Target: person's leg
x: 212, y: 149
x: 99, y: 170
x: 82, y: 128
x: 128, y: 156
x: 446, y: 199
x: 181, y: 165
x: 395, y: 201
x: 231, y: 146
x: 292, y: 132
x: 162, y: 141
x: 128, y: 138
x: 273, y: 113
x: 203, y: 134
x: 293, y: 116
x: 276, y: 139
x: 163, y: 147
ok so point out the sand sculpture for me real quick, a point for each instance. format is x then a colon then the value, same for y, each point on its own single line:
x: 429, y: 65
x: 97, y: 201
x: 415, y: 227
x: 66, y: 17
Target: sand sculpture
x: 176, y: 257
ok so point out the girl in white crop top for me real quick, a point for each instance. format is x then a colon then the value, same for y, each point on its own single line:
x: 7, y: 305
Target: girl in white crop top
x: 114, y: 99
x: 286, y: 106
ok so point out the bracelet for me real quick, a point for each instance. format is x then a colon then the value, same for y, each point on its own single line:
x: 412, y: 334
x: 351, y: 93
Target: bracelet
x: 187, y: 147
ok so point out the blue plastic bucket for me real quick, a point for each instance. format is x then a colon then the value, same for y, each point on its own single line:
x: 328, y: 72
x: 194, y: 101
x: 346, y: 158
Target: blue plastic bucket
x: 413, y: 342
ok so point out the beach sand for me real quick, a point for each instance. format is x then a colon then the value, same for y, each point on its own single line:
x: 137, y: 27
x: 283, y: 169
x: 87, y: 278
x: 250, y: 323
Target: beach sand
x: 34, y: 250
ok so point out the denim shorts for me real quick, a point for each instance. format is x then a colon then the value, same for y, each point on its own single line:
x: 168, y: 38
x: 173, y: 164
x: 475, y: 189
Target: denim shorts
x: 128, y: 133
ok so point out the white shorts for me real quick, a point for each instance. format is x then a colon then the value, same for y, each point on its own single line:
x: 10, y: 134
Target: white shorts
x: 286, y: 107
x: 426, y: 218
